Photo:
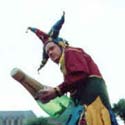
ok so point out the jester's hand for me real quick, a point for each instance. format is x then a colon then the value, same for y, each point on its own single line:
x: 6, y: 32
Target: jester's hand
x: 46, y: 95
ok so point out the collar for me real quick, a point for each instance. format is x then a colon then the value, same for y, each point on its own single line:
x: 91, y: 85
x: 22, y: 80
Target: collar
x: 62, y: 63
x: 61, y: 58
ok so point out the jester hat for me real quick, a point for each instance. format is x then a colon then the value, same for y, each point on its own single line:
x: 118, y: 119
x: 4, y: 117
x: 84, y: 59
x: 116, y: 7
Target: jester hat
x: 52, y: 36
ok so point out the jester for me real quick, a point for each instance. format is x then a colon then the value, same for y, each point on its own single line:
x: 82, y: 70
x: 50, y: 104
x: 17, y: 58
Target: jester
x: 82, y: 79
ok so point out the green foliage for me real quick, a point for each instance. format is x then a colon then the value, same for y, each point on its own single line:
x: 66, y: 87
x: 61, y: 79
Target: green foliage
x: 119, y: 109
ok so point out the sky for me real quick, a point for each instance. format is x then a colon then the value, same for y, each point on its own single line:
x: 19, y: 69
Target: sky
x: 97, y: 26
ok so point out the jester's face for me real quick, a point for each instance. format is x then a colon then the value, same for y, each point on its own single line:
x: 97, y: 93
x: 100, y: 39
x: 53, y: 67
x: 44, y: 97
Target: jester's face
x: 54, y: 51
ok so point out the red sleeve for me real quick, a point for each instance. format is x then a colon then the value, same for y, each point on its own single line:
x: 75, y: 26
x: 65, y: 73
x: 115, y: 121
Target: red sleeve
x: 76, y: 67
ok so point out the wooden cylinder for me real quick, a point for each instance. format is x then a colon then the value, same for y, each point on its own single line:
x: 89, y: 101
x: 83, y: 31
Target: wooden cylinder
x: 32, y: 85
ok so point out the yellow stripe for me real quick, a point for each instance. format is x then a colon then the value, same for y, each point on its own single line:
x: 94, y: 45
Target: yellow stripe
x: 62, y: 63
x: 97, y: 114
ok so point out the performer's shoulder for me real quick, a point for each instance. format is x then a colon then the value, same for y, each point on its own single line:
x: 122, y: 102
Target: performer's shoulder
x: 73, y: 49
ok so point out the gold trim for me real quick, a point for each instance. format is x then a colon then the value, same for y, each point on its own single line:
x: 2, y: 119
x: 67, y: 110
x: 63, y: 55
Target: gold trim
x: 91, y: 76
x: 62, y: 63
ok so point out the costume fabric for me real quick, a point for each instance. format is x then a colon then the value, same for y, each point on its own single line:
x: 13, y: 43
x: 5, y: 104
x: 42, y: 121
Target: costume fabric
x: 84, y: 82
x: 82, y: 79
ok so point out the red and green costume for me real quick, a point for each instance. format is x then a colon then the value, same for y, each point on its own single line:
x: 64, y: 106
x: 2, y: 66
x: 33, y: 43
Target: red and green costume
x: 82, y: 79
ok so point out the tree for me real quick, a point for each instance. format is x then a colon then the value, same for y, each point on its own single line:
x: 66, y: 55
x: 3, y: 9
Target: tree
x: 119, y: 109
